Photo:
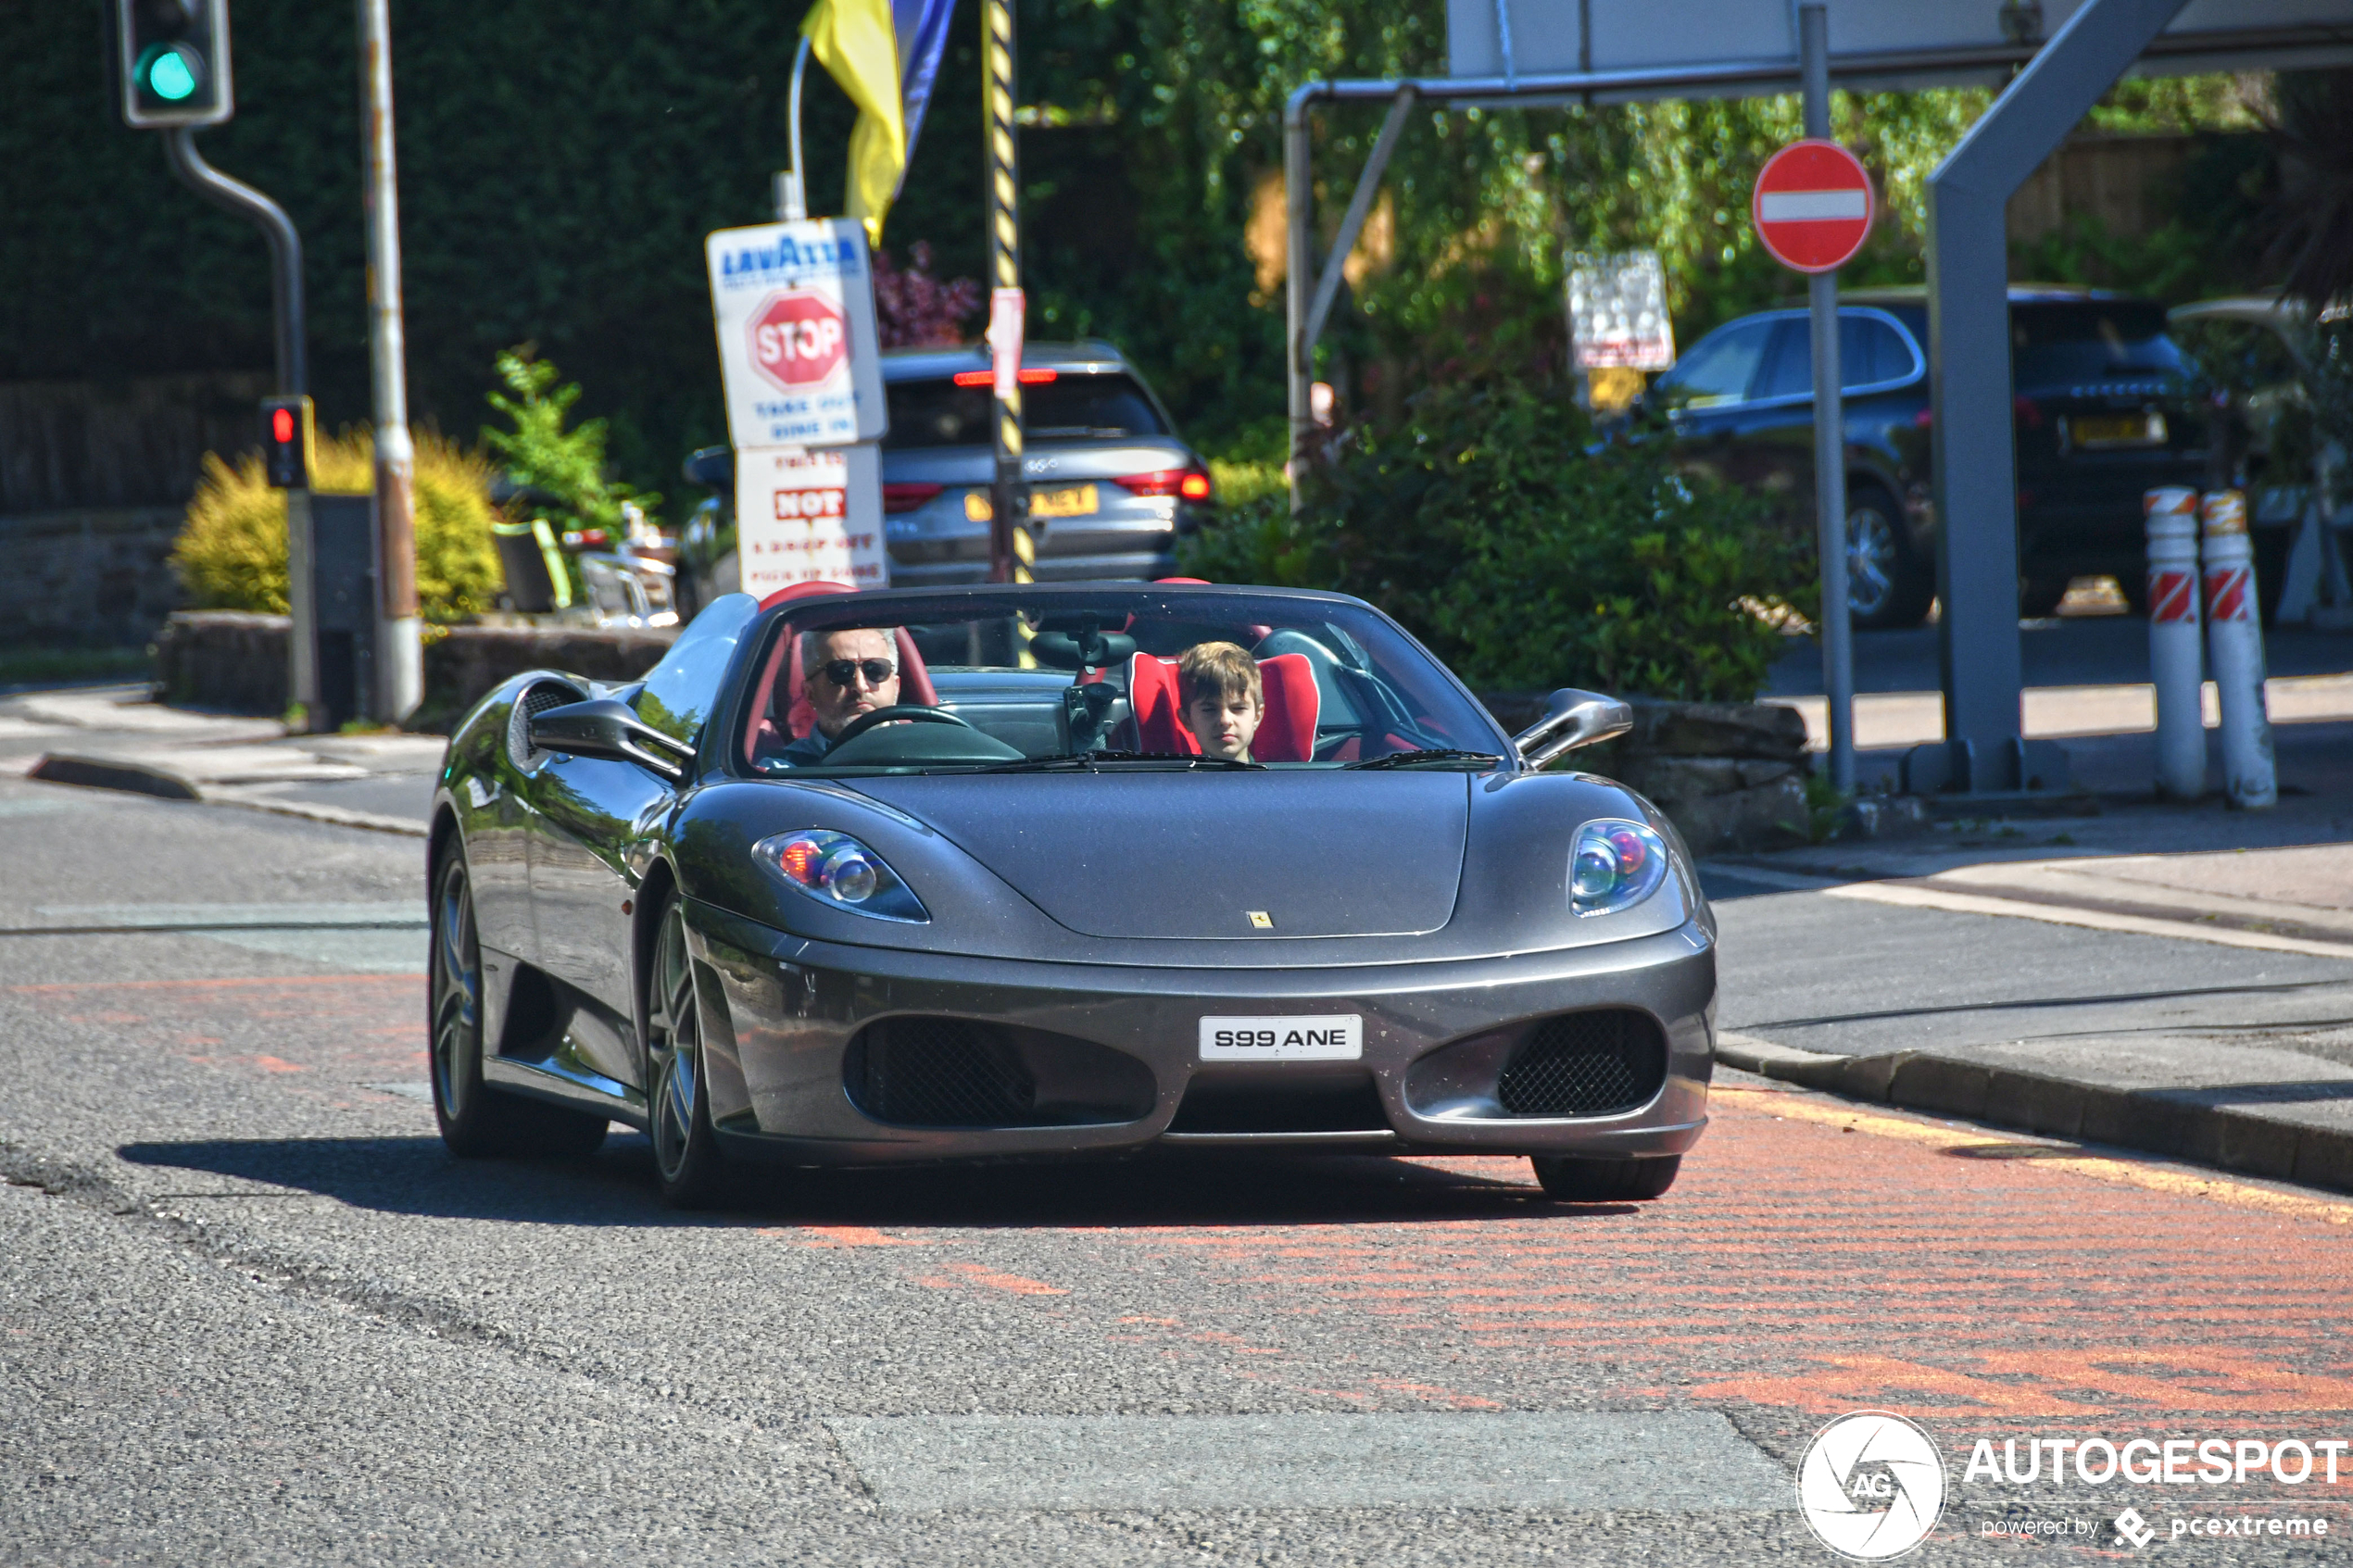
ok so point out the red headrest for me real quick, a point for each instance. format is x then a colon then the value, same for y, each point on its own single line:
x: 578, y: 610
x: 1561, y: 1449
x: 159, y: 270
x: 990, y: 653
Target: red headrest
x: 1287, y: 734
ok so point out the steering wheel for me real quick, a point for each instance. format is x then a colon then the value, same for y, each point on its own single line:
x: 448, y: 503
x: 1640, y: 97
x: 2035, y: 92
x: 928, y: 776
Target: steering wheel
x: 904, y: 712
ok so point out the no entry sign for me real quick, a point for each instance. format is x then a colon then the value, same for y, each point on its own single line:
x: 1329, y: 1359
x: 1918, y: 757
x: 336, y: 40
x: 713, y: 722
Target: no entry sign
x: 1813, y: 205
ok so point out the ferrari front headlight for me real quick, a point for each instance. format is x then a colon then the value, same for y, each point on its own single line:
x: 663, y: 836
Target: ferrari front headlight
x: 1616, y: 864
x: 840, y: 872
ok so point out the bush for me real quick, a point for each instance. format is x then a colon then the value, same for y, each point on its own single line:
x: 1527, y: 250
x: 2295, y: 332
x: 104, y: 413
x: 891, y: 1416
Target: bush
x: 567, y: 465
x: 1526, y: 557
x: 232, y: 551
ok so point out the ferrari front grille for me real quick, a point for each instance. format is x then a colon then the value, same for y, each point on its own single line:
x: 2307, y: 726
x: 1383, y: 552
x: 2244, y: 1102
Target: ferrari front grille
x: 938, y: 1072
x: 1586, y: 1064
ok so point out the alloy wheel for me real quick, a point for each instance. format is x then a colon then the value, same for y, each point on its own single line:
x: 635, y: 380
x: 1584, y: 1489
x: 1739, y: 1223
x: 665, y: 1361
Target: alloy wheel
x: 456, y: 993
x: 1871, y: 559
x: 675, y: 1037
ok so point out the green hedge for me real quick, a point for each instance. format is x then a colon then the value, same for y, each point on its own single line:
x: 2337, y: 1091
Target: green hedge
x: 1527, y: 556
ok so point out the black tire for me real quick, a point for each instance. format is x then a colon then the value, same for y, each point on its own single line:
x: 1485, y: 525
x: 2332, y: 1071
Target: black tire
x: 1888, y: 587
x: 1572, y: 1180
x: 688, y: 1162
x: 2039, y: 595
x: 477, y: 1122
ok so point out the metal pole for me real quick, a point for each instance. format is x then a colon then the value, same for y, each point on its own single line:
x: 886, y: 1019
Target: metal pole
x: 1013, y: 555
x: 1971, y: 434
x: 792, y: 186
x: 1829, y: 432
x: 399, y: 646
x: 294, y: 381
x: 1299, y: 261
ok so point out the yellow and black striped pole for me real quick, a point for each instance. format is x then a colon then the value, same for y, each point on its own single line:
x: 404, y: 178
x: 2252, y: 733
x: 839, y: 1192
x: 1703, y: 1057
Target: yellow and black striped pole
x: 1012, y: 554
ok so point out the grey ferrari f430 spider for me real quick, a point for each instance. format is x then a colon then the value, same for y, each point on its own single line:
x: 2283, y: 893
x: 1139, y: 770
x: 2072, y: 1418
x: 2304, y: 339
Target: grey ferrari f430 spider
x: 1058, y: 871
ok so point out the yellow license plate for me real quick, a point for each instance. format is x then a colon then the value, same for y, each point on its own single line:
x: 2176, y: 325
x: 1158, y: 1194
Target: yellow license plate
x: 1076, y: 500
x: 2117, y: 430
x: 1073, y: 500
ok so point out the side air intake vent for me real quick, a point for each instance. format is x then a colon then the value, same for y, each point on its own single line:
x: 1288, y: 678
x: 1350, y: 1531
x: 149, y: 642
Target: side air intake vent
x: 1586, y: 1064
x: 939, y: 1072
x: 536, y: 698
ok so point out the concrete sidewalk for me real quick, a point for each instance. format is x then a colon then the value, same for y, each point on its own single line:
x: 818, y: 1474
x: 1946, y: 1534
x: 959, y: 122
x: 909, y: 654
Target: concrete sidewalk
x: 119, y: 738
x: 2255, y: 1076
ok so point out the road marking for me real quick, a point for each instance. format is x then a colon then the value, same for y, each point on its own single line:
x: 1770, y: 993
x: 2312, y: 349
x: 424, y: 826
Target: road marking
x: 980, y: 1274
x: 1791, y: 1107
x: 1686, y: 1461
x: 1915, y: 896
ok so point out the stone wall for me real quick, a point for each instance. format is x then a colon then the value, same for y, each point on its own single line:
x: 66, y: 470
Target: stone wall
x: 1730, y: 775
x: 87, y: 578
x: 238, y: 662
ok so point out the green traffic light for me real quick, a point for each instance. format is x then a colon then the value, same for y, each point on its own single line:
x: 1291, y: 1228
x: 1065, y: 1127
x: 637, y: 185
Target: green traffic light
x: 170, y: 72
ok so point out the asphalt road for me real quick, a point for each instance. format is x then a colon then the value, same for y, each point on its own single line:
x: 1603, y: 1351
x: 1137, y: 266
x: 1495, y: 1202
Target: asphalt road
x: 250, y: 1312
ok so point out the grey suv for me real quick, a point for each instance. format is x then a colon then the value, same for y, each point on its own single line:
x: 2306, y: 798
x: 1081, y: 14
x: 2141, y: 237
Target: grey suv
x: 1111, y: 485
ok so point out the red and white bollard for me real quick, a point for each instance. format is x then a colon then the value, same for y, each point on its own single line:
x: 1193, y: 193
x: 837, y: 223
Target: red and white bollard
x: 2234, y: 639
x: 2175, y: 647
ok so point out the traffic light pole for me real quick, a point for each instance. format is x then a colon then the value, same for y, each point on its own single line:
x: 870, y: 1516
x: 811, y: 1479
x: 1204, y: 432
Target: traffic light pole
x: 399, y: 643
x: 294, y: 379
x: 1012, y: 554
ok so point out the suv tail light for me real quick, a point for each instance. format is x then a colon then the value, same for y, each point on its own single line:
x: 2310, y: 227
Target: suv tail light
x: 1191, y: 484
x: 986, y: 378
x: 906, y: 497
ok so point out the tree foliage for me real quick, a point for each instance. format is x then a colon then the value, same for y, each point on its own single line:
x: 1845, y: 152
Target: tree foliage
x: 1528, y: 556
x: 565, y: 464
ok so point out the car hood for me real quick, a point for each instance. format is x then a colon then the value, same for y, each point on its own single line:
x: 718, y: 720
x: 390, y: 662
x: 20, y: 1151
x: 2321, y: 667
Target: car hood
x: 1197, y: 856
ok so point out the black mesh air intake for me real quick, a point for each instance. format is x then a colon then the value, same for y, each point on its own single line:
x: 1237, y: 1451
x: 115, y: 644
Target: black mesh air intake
x: 1586, y: 1064
x: 536, y: 698
x: 938, y: 1072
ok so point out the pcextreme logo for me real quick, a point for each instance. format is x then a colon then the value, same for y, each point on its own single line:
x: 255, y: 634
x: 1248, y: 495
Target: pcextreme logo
x: 1871, y: 1486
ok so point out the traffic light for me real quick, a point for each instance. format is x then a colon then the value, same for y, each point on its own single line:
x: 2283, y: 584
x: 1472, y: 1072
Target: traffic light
x: 287, y: 431
x: 171, y: 58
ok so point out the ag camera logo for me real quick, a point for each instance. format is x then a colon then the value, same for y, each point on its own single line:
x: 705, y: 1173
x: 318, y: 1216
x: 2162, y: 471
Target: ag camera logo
x: 1871, y: 1486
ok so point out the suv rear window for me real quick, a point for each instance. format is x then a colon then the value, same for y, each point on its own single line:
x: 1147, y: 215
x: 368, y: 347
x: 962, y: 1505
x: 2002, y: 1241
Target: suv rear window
x: 940, y: 413
x: 2052, y: 345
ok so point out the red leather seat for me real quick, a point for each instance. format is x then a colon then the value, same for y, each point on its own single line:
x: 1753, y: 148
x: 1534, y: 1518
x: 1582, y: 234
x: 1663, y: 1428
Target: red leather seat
x: 1287, y: 734
x: 786, y: 692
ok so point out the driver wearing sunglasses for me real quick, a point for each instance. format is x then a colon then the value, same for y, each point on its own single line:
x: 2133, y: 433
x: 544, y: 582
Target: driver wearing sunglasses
x: 844, y: 674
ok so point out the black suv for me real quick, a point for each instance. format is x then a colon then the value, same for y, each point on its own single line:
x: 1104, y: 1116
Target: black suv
x: 2103, y: 410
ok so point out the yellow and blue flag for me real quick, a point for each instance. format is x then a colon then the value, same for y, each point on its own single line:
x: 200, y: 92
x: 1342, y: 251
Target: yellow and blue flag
x: 885, y: 55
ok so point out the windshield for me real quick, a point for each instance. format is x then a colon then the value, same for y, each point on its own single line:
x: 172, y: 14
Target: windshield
x: 1199, y: 679
x: 956, y: 413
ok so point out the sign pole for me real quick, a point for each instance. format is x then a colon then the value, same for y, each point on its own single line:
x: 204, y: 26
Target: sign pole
x: 1829, y: 432
x: 399, y: 653
x: 1012, y: 554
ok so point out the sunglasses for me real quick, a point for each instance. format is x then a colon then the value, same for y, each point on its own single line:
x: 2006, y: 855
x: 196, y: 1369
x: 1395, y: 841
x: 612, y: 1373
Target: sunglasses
x: 841, y: 671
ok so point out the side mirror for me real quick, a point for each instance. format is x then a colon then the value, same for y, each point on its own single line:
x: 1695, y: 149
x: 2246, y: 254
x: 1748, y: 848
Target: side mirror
x: 1571, y: 720
x: 714, y: 467
x: 604, y: 728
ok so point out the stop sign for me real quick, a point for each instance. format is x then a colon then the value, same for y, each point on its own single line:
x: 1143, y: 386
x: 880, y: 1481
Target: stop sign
x: 1813, y: 205
x: 798, y: 339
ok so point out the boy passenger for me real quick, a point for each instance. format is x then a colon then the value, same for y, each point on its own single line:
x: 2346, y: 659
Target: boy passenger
x: 1224, y: 697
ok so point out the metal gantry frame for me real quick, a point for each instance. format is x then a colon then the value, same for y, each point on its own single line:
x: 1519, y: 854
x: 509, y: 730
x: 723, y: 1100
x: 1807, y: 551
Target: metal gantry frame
x: 1975, y: 473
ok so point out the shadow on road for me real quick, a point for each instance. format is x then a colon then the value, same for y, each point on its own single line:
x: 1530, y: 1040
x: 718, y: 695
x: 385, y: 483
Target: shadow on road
x: 615, y: 1188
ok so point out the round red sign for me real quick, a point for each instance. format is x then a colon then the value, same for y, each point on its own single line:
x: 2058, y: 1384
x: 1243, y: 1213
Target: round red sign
x: 797, y: 340
x: 1813, y: 205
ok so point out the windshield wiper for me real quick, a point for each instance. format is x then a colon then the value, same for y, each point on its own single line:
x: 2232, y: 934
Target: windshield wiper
x: 1084, y: 761
x: 1410, y: 759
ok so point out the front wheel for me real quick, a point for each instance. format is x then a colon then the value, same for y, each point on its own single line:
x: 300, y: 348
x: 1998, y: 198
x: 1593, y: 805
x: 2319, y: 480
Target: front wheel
x: 687, y: 1159
x: 1887, y: 586
x: 1574, y: 1180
